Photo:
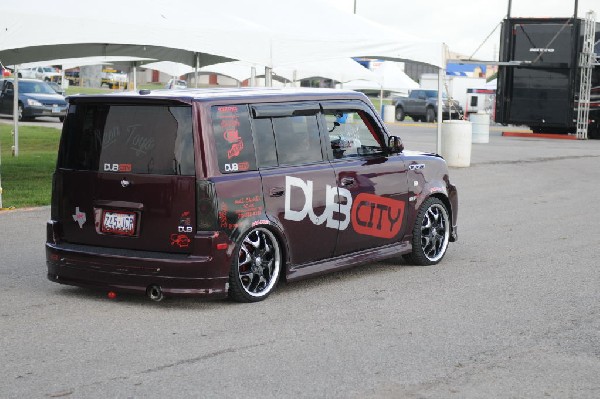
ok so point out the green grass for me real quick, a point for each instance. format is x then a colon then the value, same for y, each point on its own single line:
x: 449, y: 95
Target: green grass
x: 27, y: 179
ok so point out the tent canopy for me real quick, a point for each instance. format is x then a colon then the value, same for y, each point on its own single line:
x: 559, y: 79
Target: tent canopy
x: 202, y: 33
x: 340, y: 70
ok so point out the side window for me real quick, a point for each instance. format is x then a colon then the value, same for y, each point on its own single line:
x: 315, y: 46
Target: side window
x: 266, y: 153
x: 287, y: 140
x: 297, y: 139
x: 233, y: 138
x: 351, y: 133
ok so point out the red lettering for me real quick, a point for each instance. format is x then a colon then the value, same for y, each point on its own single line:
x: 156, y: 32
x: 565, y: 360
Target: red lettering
x: 235, y: 149
x: 124, y: 167
x: 377, y: 216
x: 227, y: 109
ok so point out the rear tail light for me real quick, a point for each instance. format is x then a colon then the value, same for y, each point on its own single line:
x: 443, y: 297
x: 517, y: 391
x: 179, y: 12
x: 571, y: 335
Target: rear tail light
x: 206, y: 206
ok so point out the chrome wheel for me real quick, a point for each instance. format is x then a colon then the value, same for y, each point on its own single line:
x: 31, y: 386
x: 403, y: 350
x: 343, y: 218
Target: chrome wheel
x: 256, y: 269
x: 435, y: 232
x: 431, y: 233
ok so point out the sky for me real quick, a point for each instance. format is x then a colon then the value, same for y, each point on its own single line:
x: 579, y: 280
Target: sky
x: 463, y: 25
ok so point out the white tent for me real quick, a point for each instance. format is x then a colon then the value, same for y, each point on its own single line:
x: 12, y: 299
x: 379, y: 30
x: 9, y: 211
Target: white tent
x: 388, y: 76
x: 340, y: 70
x: 68, y: 63
x: 202, y: 33
x: 169, y: 67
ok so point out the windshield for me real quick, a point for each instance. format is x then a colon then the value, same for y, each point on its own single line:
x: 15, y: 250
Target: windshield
x: 433, y: 94
x: 35, y: 87
x: 48, y: 69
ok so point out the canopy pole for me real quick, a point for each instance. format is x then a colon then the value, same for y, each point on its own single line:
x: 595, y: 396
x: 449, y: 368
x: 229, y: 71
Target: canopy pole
x: 252, y: 76
x: 441, y: 72
x: 16, y: 111
x: 381, y: 102
x: 134, y: 77
x: 196, y: 69
x: 268, y: 77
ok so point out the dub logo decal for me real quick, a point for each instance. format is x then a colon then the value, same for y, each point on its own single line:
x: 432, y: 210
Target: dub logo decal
x: 185, y: 223
x: 369, y: 214
x: 331, y: 206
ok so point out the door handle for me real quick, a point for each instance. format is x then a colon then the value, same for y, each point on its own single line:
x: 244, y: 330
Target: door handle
x: 276, y: 191
x: 347, y: 181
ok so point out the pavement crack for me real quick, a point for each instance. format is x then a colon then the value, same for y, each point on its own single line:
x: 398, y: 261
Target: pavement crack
x: 201, y: 358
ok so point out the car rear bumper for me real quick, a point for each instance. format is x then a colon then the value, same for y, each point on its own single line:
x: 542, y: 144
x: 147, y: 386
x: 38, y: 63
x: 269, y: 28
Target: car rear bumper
x: 135, y: 271
x: 33, y: 112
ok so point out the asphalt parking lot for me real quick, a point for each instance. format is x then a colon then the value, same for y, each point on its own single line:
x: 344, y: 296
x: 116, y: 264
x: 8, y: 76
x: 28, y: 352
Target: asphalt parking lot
x: 513, y: 310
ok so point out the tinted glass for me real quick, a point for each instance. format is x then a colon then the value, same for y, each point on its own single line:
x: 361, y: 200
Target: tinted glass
x: 297, y: 139
x: 128, y: 138
x: 233, y: 138
x: 266, y: 153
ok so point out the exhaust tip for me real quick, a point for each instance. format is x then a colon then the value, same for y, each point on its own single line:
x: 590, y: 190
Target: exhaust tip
x: 154, y: 292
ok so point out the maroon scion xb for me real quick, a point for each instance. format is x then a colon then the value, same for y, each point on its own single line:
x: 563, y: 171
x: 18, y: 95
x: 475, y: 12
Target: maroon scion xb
x: 224, y: 192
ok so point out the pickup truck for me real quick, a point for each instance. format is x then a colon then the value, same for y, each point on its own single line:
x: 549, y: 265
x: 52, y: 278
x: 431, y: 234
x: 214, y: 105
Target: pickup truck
x: 45, y: 73
x: 421, y: 105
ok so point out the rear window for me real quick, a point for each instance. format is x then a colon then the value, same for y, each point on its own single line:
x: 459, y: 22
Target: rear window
x: 148, y: 139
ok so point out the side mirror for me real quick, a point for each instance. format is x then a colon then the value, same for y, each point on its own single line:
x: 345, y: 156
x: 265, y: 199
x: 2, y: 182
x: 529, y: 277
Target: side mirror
x: 395, y: 145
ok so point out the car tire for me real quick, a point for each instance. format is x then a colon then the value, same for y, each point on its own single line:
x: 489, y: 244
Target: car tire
x: 431, y: 234
x: 256, y: 266
x: 400, y: 114
x: 430, y: 115
x: 20, y: 113
x: 61, y: 118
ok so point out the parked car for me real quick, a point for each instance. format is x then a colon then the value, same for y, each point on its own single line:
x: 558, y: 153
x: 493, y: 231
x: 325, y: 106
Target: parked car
x: 225, y: 192
x: 72, y: 76
x: 36, y: 98
x: 421, y: 105
x: 45, y: 73
x: 57, y: 88
x: 176, y: 84
x: 114, y: 79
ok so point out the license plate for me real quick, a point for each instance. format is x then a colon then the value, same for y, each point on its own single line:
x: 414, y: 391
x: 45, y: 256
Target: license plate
x: 56, y: 110
x: 122, y: 223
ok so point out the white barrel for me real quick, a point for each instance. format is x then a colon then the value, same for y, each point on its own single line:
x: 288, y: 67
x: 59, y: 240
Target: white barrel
x: 456, y: 142
x: 389, y: 114
x: 481, y: 127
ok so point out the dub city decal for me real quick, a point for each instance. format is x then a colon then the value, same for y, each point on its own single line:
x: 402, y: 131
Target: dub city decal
x: 369, y: 214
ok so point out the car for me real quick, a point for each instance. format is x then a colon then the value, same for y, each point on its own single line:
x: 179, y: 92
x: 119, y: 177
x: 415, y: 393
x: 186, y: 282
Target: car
x: 114, y: 78
x: 57, y: 88
x: 224, y: 192
x: 45, y: 73
x: 176, y: 84
x: 421, y: 105
x: 36, y: 98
